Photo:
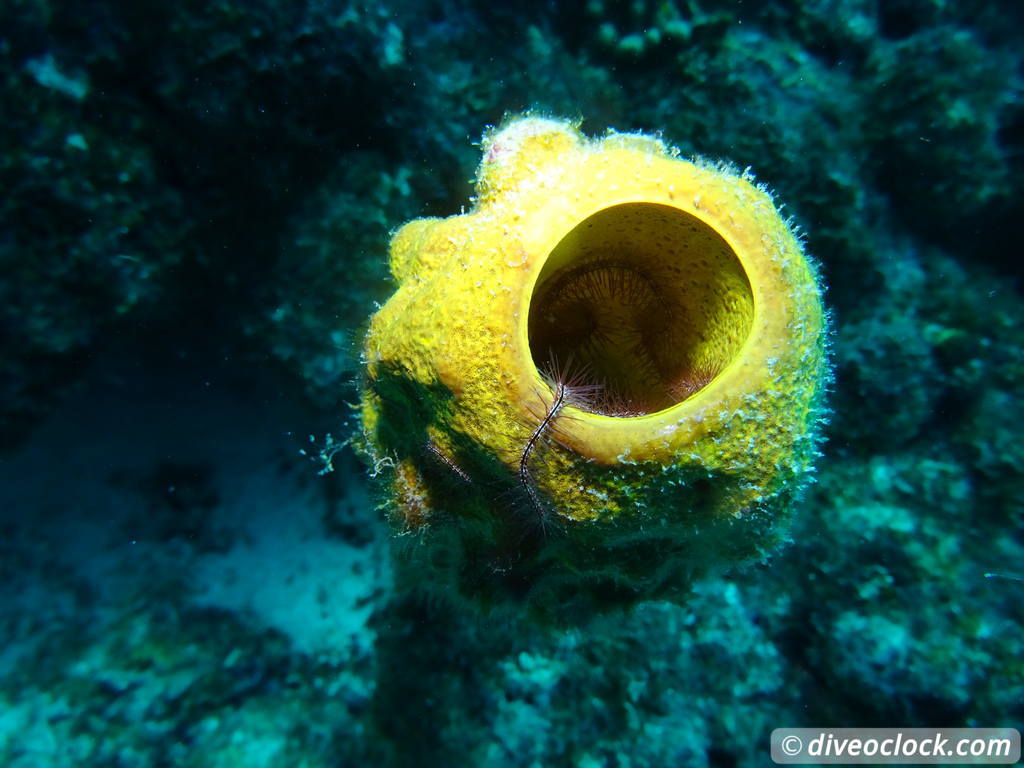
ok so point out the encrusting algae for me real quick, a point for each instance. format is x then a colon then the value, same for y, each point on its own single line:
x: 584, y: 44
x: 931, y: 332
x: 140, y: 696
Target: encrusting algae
x: 602, y: 380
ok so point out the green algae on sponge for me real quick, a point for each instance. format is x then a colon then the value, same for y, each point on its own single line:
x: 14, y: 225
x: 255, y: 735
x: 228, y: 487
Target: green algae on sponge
x: 601, y: 381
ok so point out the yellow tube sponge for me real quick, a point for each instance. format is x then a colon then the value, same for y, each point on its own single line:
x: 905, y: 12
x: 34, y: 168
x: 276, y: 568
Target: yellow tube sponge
x: 603, y: 379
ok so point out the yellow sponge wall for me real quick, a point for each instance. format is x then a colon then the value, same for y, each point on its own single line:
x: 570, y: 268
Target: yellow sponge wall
x: 675, y: 288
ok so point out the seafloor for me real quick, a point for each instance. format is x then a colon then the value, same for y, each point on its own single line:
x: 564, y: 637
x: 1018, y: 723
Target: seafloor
x: 197, y: 202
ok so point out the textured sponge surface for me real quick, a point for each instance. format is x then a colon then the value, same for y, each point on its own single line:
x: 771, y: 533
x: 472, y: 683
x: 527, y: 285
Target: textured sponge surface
x: 670, y: 292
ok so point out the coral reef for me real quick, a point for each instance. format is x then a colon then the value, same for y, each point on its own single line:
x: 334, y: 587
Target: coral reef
x: 90, y: 230
x: 198, y: 199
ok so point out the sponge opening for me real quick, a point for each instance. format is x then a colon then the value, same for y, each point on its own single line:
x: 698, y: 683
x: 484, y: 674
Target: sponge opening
x: 642, y: 301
